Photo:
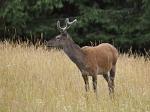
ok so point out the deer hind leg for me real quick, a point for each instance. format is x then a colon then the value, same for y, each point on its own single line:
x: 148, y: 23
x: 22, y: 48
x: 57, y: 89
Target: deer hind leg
x: 94, y: 79
x: 107, y: 78
x: 86, y: 81
x: 112, y: 76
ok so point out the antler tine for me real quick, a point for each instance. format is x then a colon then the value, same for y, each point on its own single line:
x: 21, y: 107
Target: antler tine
x: 70, y: 23
x: 60, y: 28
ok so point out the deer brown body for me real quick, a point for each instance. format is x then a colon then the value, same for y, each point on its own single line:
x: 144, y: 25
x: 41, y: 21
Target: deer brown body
x: 100, y: 59
x: 91, y: 61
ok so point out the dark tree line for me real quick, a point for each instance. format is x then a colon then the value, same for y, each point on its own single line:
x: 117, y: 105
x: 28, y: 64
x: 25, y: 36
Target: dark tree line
x: 123, y: 22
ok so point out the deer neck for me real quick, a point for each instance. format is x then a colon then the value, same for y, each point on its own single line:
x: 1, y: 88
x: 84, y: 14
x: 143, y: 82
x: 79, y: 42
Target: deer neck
x: 75, y: 53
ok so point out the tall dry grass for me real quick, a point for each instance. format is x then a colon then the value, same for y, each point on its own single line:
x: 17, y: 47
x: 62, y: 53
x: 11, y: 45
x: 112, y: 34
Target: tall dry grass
x: 38, y: 80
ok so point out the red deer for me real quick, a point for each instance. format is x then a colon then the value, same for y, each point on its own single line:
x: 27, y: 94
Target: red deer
x: 91, y: 61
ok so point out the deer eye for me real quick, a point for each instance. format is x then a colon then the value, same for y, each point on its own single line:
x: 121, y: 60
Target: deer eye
x: 57, y: 38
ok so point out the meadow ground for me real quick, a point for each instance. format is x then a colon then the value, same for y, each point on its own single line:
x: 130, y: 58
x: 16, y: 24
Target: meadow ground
x: 38, y: 80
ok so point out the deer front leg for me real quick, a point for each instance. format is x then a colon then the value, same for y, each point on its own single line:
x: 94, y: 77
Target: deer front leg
x: 86, y: 81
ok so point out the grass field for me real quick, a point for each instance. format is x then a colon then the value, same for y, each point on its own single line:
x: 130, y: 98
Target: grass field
x: 38, y: 80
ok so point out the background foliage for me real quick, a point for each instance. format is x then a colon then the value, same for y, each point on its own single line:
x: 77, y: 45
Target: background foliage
x: 123, y: 22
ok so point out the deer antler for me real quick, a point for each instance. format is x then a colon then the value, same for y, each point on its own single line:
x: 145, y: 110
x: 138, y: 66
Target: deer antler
x: 62, y: 29
x: 70, y: 23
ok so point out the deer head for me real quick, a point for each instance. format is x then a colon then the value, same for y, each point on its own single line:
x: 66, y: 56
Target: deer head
x: 63, y: 38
